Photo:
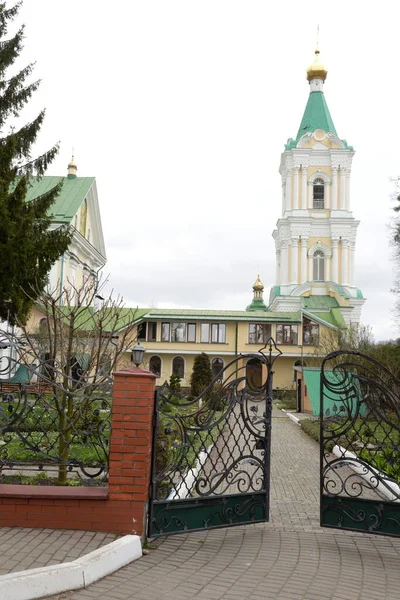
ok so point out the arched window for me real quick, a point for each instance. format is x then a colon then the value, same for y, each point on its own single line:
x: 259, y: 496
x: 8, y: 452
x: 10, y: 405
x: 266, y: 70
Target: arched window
x: 155, y: 365
x: 318, y: 193
x: 318, y: 266
x: 178, y: 366
x: 254, y: 373
x: 216, y: 366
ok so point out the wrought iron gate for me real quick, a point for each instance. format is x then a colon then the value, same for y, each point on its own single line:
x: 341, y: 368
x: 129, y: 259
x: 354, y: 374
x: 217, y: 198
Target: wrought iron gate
x: 360, y: 445
x: 211, y: 454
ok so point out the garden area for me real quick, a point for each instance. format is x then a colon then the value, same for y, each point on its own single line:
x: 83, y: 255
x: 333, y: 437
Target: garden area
x: 375, y: 442
x: 50, y: 439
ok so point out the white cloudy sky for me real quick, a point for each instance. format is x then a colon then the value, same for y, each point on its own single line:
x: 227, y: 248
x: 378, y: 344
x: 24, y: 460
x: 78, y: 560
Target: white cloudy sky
x: 181, y: 108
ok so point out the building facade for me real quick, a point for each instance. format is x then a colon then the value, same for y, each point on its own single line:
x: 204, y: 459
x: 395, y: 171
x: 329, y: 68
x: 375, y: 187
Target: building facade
x: 314, y: 292
x: 78, y: 207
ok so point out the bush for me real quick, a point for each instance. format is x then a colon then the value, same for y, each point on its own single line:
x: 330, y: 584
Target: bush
x: 287, y: 399
x: 311, y: 428
x: 175, y: 383
x: 201, y: 375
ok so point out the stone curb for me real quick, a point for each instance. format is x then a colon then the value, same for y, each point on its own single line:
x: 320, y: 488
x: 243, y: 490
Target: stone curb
x: 55, y: 579
x: 292, y: 417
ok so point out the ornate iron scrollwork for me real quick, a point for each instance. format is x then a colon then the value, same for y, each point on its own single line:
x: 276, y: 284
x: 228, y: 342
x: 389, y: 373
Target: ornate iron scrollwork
x: 360, y: 444
x: 49, y: 425
x: 216, y: 445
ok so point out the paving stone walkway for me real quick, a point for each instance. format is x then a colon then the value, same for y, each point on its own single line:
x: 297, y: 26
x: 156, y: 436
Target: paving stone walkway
x: 22, y: 549
x: 289, y: 558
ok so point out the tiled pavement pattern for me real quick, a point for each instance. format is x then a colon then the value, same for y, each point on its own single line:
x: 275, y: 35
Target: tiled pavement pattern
x: 22, y: 549
x: 290, y: 558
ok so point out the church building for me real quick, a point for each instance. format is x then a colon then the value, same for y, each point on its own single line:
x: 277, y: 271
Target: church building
x: 314, y: 291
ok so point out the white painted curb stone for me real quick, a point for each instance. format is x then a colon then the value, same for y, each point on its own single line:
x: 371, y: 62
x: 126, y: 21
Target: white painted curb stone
x: 46, y: 581
x: 292, y: 417
x: 392, y: 490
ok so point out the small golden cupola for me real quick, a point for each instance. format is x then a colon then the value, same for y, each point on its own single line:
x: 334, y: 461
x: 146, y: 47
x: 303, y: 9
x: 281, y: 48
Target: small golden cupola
x: 72, y: 168
x: 258, y: 287
x: 317, y: 69
x: 258, y: 300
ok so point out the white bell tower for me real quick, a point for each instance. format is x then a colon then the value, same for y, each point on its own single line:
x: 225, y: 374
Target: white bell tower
x: 316, y: 234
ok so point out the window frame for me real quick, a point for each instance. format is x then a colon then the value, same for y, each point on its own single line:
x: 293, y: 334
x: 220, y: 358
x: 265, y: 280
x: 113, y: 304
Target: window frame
x: 319, y: 195
x: 180, y: 323
x: 183, y: 366
x: 148, y: 324
x: 314, y: 339
x: 220, y: 338
x: 265, y: 335
x: 159, y: 358
x: 291, y: 327
x: 191, y: 341
x: 212, y: 366
x: 169, y: 331
x: 318, y: 258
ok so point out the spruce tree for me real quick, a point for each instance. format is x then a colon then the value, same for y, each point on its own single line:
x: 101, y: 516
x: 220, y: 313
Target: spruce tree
x: 28, y: 249
x: 201, y: 375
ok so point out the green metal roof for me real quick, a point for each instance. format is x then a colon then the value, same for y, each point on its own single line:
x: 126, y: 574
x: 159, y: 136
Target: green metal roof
x: 315, y: 302
x: 316, y: 116
x: 85, y: 318
x: 334, y: 317
x: 332, y: 400
x: 256, y: 304
x: 222, y: 315
x: 73, y: 193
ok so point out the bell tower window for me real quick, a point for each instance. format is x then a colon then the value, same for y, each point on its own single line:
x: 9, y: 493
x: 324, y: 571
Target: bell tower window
x: 318, y: 266
x: 318, y: 193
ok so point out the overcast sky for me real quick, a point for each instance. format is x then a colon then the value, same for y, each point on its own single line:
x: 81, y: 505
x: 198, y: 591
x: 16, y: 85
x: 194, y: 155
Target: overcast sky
x: 181, y: 109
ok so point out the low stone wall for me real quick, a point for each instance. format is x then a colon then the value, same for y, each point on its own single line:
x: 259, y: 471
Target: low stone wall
x: 122, y: 506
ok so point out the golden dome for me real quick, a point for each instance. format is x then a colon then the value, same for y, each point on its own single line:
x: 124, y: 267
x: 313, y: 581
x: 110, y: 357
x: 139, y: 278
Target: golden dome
x: 258, y: 285
x: 317, y: 69
x: 72, y: 163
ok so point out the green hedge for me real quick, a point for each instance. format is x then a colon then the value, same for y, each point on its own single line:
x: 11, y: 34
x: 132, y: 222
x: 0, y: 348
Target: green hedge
x: 311, y: 428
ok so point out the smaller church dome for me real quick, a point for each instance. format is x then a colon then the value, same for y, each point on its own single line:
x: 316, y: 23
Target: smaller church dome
x: 258, y: 285
x: 317, y: 70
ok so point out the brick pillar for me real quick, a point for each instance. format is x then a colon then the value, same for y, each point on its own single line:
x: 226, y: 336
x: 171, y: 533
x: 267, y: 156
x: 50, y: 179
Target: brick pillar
x: 131, y: 444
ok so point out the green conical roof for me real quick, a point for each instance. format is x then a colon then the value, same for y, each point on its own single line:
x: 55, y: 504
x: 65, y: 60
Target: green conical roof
x: 316, y: 116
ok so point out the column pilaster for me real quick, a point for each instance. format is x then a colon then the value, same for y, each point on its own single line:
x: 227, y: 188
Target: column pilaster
x: 334, y: 188
x: 284, y: 264
x: 310, y: 194
x: 348, y: 189
x: 335, y: 260
x: 342, y: 191
x: 303, y: 187
x: 345, y: 262
x: 288, y: 203
x: 295, y: 259
x: 278, y: 267
x: 303, y: 274
x: 283, y: 196
x: 295, y: 187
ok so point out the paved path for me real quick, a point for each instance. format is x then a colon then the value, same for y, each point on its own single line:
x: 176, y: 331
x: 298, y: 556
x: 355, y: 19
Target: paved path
x: 22, y: 548
x: 290, y: 558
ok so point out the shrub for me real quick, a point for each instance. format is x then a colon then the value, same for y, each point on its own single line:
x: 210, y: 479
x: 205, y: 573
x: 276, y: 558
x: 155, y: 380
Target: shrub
x: 201, y: 375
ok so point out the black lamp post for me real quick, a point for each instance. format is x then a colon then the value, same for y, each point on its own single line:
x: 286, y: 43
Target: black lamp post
x: 137, y: 354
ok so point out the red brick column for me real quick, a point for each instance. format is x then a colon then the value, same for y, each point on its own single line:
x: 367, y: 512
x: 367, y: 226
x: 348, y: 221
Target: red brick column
x: 131, y: 444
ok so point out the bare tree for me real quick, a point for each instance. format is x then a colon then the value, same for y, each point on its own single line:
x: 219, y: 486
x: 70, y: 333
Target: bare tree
x: 355, y: 337
x: 77, y: 344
